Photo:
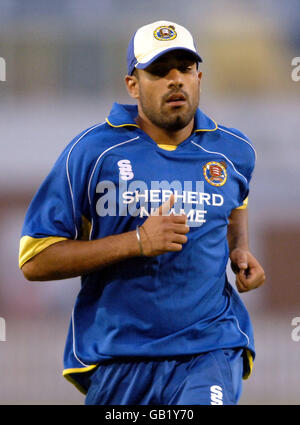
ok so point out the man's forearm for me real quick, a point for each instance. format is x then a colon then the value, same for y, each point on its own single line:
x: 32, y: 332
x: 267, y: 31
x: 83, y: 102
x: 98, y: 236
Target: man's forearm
x: 237, y: 234
x: 249, y: 272
x: 71, y: 258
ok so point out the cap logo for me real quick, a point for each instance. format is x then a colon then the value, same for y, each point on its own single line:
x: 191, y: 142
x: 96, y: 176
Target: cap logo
x: 215, y: 173
x: 165, y: 33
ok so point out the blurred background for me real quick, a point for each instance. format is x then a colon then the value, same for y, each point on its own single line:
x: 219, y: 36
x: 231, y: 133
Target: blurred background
x: 65, y: 63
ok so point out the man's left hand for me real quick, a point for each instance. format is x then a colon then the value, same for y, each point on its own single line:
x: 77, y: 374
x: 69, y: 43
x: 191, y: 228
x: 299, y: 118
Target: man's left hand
x: 249, y: 273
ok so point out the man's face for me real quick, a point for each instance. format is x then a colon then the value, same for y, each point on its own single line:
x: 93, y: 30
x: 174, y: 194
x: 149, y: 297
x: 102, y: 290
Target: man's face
x: 168, y: 90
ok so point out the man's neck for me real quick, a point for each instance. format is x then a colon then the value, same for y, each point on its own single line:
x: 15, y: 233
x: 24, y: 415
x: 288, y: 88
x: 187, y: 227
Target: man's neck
x: 162, y: 136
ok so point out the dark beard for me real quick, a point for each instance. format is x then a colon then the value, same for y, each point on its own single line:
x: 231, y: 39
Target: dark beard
x: 170, y: 122
x: 174, y: 123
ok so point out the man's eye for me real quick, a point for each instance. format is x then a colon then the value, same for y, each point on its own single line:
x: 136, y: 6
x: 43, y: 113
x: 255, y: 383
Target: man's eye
x: 186, y: 68
x: 160, y: 71
x: 163, y: 70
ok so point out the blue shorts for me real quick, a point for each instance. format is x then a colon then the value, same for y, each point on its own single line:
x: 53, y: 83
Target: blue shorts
x: 208, y: 378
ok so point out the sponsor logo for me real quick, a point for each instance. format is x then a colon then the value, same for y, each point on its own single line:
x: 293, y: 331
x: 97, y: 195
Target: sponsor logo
x: 216, y: 395
x: 165, y: 33
x: 215, y: 173
x: 137, y: 199
x: 125, y: 168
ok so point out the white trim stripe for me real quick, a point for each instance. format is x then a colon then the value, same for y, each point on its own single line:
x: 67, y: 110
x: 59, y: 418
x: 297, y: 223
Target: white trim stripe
x: 68, y: 174
x: 74, y: 348
x: 219, y: 153
x: 237, y: 322
x: 100, y: 156
x: 241, y: 138
x: 242, y: 332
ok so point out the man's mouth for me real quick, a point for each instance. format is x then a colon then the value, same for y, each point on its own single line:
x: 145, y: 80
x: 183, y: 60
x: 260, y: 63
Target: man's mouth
x: 176, y: 99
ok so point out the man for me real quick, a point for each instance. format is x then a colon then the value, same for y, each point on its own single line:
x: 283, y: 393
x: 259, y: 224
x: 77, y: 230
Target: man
x: 147, y: 208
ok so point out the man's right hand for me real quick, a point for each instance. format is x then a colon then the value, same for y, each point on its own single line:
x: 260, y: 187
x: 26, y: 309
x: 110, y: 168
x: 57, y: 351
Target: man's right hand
x: 163, y: 233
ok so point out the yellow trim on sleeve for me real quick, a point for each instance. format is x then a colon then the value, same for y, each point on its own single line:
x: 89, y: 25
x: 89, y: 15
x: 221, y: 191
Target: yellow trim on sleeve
x: 249, y: 364
x: 244, y: 205
x: 67, y: 374
x: 29, y: 247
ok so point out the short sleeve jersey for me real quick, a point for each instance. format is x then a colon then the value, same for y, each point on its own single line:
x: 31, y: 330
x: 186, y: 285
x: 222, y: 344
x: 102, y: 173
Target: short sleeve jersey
x: 108, y: 180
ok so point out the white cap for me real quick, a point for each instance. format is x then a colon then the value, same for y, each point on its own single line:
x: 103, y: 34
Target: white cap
x: 153, y: 40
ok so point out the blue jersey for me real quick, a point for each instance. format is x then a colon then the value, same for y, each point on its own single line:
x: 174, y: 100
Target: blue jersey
x: 107, y: 181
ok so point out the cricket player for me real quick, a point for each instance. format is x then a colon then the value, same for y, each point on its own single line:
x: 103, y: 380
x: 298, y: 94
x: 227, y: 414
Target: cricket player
x: 148, y: 207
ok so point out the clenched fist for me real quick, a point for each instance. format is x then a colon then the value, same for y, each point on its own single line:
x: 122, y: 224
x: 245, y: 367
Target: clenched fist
x: 249, y: 272
x: 163, y: 233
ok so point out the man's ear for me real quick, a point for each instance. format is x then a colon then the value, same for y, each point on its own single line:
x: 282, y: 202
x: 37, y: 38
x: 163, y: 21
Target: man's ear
x: 132, y: 85
x: 199, y: 79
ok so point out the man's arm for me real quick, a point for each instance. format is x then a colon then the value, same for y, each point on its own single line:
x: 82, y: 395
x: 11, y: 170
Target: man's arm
x: 249, y: 273
x: 70, y: 258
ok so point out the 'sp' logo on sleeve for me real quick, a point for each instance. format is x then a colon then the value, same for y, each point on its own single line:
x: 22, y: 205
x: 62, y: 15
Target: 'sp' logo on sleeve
x: 216, y: 395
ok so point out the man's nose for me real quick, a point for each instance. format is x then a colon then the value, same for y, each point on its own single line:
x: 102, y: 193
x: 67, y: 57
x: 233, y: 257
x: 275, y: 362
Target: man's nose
x: 174, y: 78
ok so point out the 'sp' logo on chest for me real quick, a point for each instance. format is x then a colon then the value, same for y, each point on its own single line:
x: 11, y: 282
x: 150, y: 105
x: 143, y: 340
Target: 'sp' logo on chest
x: 125, y: 169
